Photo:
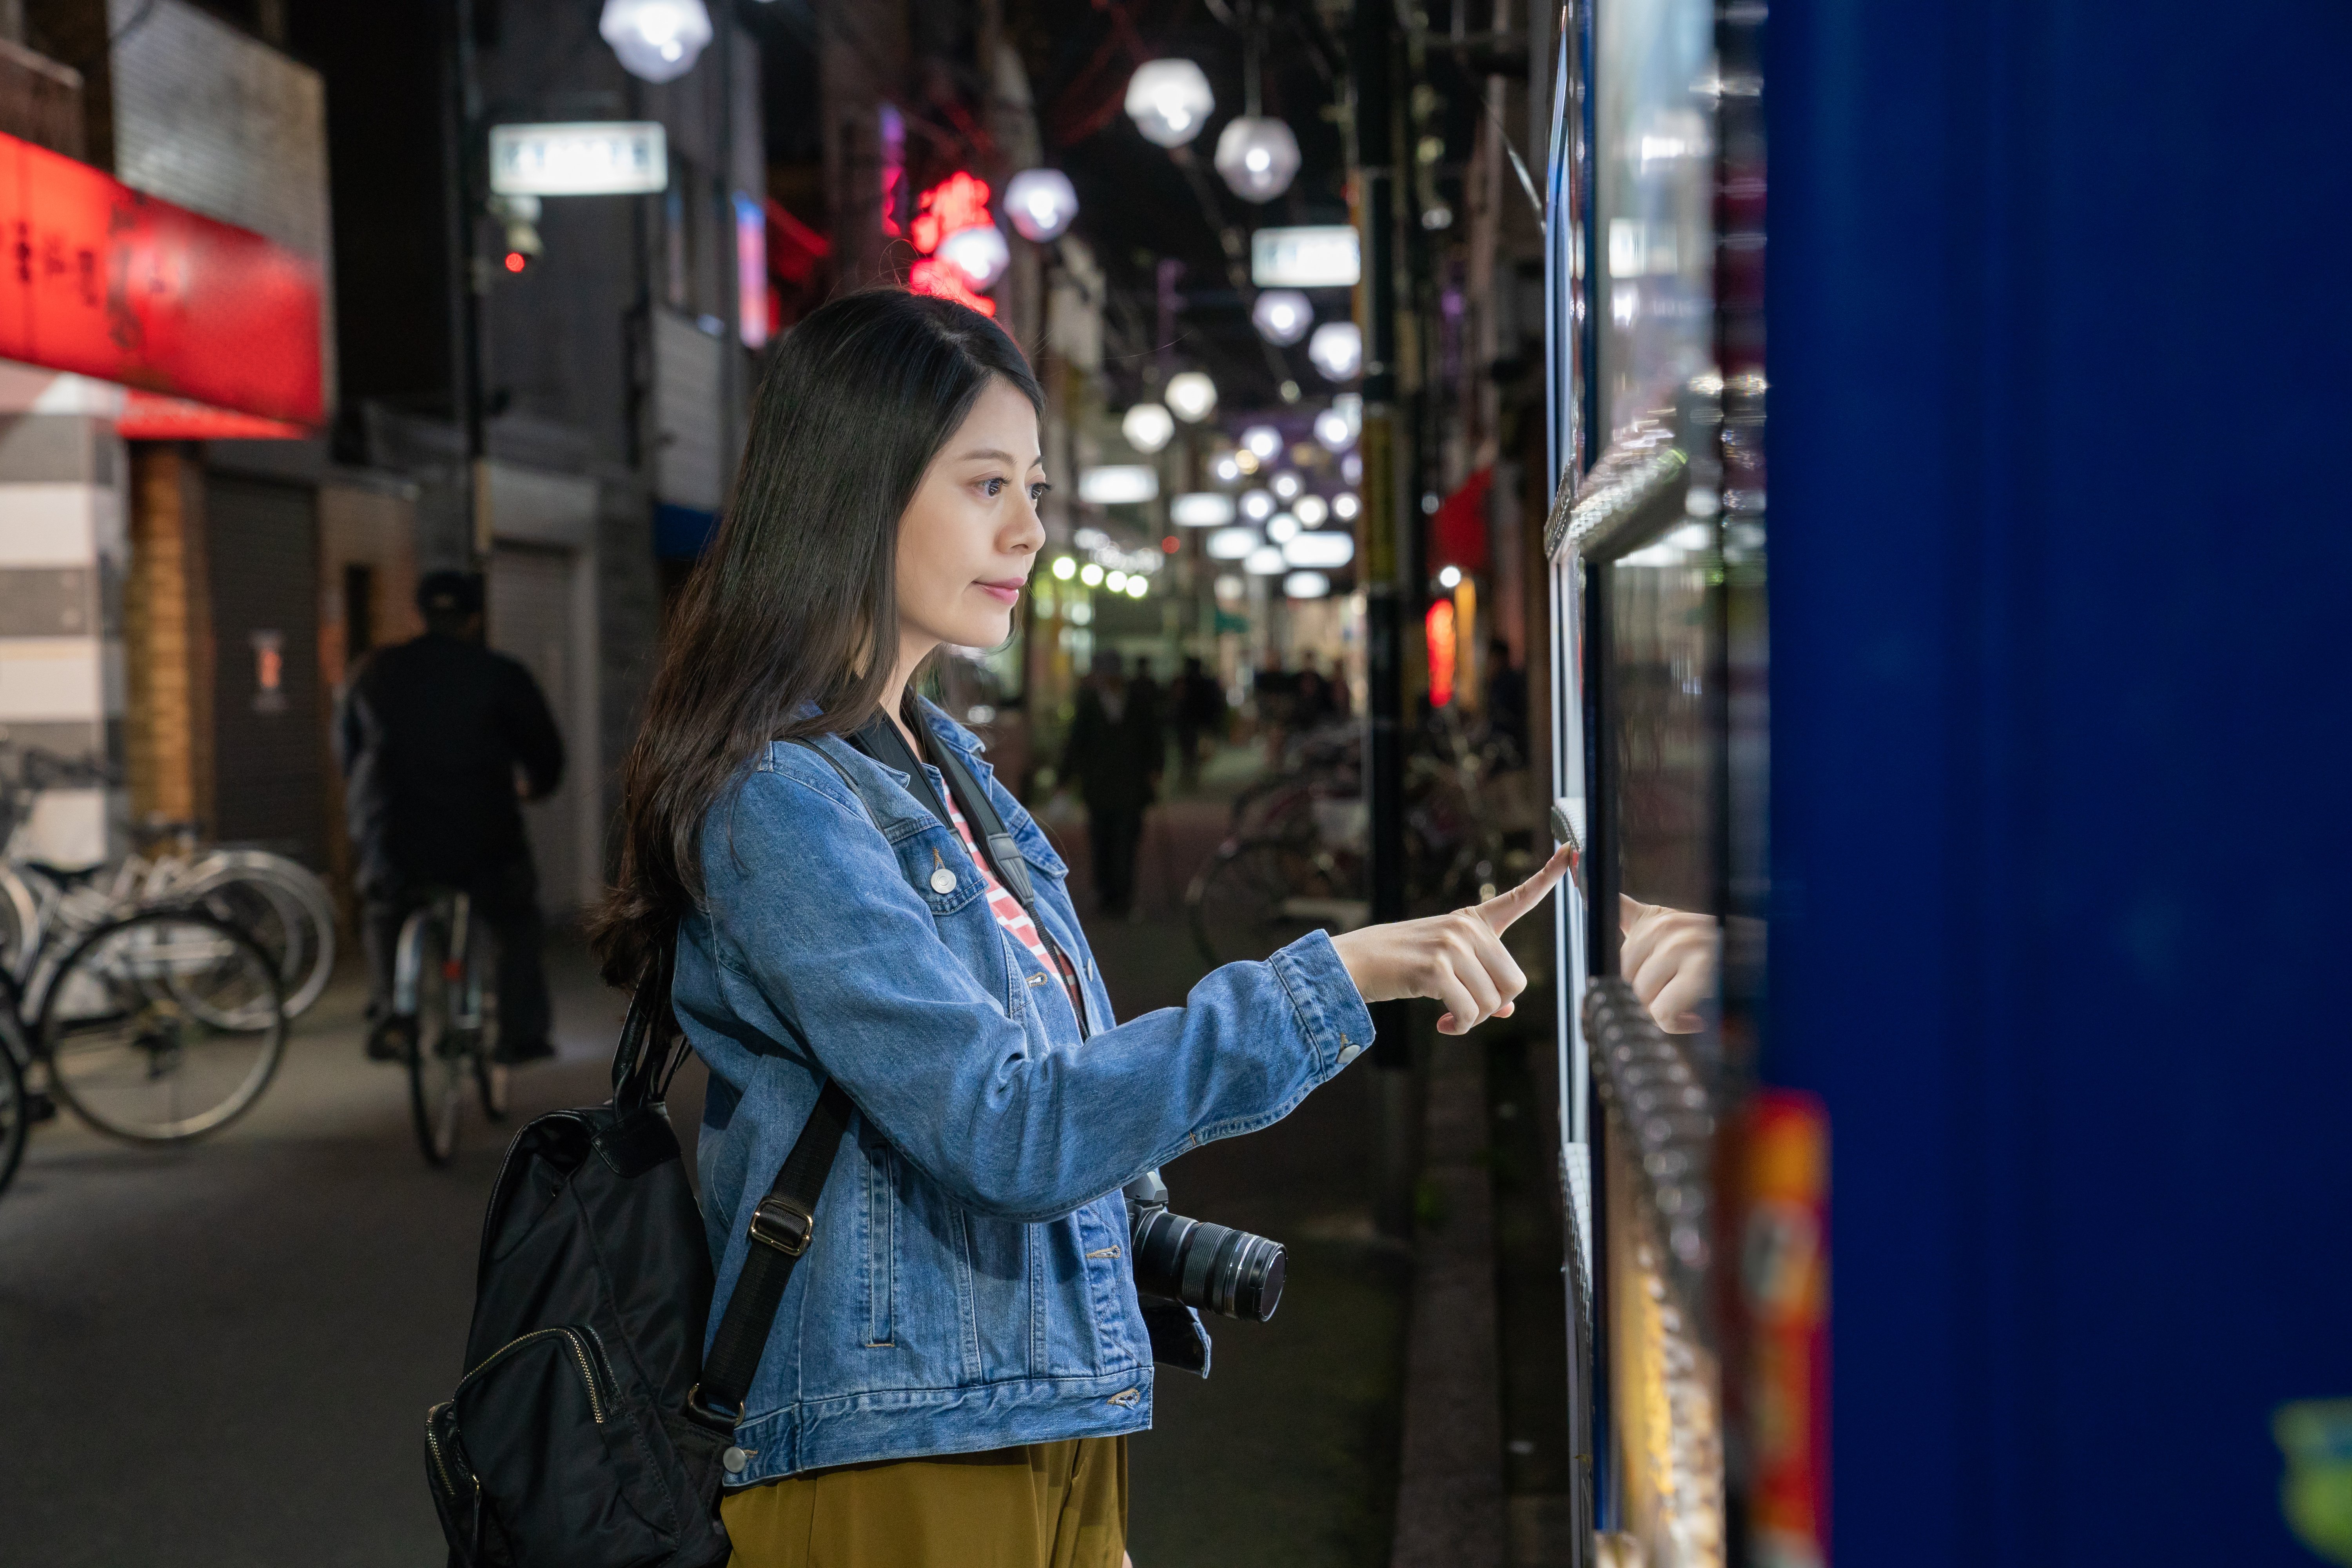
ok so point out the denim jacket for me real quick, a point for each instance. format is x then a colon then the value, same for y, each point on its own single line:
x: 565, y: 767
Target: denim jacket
x: 968, y: 1287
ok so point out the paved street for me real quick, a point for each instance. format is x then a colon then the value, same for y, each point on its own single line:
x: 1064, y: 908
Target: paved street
x: 222, y: 1354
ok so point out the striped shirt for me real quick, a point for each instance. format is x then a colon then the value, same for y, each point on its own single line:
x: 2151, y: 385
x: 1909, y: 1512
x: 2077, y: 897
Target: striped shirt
x: 1015, y: 919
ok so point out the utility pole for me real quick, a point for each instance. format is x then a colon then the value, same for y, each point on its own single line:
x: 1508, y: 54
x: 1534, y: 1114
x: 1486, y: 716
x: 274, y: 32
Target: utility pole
x: 1385, y: 549
x: 469, y: 279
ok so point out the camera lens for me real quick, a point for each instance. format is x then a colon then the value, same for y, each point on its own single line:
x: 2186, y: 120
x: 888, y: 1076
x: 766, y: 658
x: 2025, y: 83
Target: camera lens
x: 1212, y: 1267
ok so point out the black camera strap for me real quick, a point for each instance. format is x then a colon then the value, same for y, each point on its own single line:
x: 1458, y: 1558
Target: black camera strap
x: 883, y: 740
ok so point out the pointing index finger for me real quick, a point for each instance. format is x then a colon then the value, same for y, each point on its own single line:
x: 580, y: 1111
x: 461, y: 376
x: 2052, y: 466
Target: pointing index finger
x: 1504, y: 908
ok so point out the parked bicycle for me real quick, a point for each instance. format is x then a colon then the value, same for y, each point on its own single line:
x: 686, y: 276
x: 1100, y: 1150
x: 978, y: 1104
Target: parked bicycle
x: 157, y: 1026
x: 1296, y: 858
x: 444, y: 1019
x: 279, y: 900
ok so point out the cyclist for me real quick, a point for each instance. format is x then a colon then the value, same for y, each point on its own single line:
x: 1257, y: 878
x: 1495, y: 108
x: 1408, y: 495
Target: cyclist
x: 439, y: 740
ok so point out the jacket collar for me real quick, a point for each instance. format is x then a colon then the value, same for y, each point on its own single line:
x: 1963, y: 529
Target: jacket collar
x: 948, y: 730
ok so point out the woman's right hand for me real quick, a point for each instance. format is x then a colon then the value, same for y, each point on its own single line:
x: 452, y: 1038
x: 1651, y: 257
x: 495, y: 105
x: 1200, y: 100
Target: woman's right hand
x: 1457, y: 959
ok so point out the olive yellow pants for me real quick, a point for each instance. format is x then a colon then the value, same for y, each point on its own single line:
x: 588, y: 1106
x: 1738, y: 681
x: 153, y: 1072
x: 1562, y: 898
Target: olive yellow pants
x: 1044, y: 1505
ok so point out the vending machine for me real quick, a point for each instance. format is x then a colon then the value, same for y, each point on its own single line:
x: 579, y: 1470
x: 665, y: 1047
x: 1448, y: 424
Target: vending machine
x: 1695, y: 1198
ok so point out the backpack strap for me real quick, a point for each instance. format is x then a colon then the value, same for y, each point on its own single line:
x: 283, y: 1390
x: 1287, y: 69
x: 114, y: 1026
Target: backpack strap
x: 782, y: 1224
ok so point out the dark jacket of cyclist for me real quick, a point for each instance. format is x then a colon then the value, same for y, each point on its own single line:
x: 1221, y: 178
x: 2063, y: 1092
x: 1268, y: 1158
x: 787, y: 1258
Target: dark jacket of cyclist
x: 440, y: 740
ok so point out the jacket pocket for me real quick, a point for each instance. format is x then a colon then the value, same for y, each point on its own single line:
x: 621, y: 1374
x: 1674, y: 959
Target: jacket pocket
x: 880, y: 1224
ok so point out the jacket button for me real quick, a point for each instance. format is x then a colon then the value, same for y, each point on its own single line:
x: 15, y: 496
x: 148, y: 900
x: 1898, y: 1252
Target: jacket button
x: 1350, y: 1054
x: 734, y: 1459
x: 943, y: 880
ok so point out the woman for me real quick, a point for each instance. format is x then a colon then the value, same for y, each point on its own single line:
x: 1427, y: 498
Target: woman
x: 961, y: 1354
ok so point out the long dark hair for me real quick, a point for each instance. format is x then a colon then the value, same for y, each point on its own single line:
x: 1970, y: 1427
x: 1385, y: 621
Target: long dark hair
x: 790, y: 625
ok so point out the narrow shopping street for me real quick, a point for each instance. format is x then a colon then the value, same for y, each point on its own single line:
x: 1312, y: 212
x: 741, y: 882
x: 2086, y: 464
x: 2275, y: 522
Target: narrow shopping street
x: 287, y: 1299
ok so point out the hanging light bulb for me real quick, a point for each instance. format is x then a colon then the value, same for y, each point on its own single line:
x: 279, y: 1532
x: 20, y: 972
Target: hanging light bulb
x: 1338, y: 350
x: 657, y: 40
x: 1148, y: 427
x: 1263, y: 442
x: 1191, y: 396
x: 1331, y: 430
x: 978, y: 253
x: 1282, y: 316
x: 1169, y: 101
x: 1286, y: 487
x: 1256, y: 156
x: 1310, y: 511
x: 1042, y: 204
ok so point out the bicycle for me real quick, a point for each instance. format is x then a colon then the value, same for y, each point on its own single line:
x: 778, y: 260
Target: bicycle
x: 444, y: 1011
x: 279, y: 900
x: 157, y: 1026
x: 1296, y: 858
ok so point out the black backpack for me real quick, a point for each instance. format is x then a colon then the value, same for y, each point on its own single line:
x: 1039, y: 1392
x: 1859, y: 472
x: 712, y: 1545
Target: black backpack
x: 589, y: 1430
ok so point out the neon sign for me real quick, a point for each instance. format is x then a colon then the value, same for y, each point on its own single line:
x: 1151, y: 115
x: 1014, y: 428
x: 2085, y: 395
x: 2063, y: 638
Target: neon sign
x: 957, y: 202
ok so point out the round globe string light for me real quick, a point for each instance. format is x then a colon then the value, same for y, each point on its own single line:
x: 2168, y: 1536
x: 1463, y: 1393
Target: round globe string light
x: 1228, y: 472
x: 1332, y: 431
x: 1148, y: 427
x: 1346, y: 507
x: 1310, y: 511
x: 1257, y: 505
x: 1306, y: 585
x: 1169, y: 101
x: 1257, y: 157
x: 657, y: 40
x: 1281, y: 528
x: 1337, y: 351
x: 1042, y: 204
x: 1265, y: 560
x: 1263, y: 442
x: 978, y: 253
x: 1191, y: 396
x: 1282, y: 316
x: 1287, y: 486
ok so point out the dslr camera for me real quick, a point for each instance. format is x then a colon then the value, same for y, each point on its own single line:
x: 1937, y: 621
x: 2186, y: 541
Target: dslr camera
x: 1212, y: 1268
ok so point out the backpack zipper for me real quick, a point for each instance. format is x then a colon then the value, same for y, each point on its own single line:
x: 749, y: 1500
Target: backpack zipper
x: 433, y: 1442
x: 572, y: 1337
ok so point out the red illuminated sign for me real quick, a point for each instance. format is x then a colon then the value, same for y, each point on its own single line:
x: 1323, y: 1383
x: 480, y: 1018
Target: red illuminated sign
x: 958, y: 201
x: 100, y: 279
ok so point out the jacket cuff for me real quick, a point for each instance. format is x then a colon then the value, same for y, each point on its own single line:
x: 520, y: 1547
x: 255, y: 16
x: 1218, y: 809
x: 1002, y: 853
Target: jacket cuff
x: 1338, y: 1024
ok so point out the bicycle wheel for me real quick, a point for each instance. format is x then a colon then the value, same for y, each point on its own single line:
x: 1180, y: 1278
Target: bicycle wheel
x: 438, y: 1054
x: 287, y: 909
x: 162, y: 1026
x: 492, y: 1078
x: 16, y: 1114
x: 1256, y: 896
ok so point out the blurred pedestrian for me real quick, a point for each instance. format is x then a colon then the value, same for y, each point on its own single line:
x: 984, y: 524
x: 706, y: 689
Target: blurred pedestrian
x: 1113, y: 756
x: 1150, y: 701
x: 440, y: 742
x: 1506, y: 698
x: 1200, y: 715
